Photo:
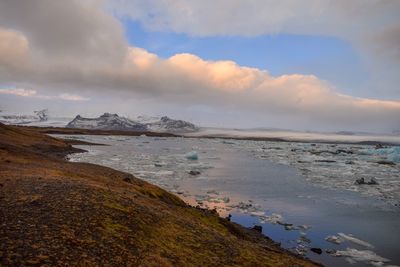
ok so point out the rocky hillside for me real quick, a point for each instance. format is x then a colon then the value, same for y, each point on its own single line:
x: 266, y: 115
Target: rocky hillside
x: 109, y: 121
x: 58, y: 213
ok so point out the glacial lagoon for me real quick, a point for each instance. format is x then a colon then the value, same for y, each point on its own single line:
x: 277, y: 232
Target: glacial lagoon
x: 304, y: 195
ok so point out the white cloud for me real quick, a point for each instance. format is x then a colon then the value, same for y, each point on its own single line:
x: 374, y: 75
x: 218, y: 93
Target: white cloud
x: 71, y: 97
x: 18, y: 92
x: 33, y: 94
x: 371, y: 26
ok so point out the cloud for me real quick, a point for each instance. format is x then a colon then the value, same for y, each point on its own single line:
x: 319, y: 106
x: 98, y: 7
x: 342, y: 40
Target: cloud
x: 66, y: 31
x: 71, y: 97
x: 255, y: 17
x: 87, y: 64
x: 372, y: 27
x: 33, y: 94
x: 18, y: 92
x: 14, y: 51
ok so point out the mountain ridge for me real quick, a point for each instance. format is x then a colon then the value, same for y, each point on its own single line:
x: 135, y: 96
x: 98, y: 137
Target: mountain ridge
x: 109, y: 121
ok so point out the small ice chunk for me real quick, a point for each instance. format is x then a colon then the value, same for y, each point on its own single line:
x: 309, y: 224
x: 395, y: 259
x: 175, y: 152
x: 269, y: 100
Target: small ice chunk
x: 304, y: 227
x: 226, y: 199
x: 214, y: 200
x: 212, y: 192
x: 257, y: 213
x: 201, y: 197
x: 334, y: 239
x: 192, y: 155
x: 366, y: 256
x: 303, y: 240
x: 355, y: 240
x: 274, y: 218
x: 159, y: 164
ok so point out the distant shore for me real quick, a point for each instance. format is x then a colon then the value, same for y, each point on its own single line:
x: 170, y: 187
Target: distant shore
x: 74, y: 131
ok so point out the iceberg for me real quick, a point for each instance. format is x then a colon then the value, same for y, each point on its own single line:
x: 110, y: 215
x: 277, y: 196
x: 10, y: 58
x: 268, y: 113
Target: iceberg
x: 334, y: 239
x: 391, y: 153
x: 366, y: 256
x: 192, y: 155
x: 355, y: 240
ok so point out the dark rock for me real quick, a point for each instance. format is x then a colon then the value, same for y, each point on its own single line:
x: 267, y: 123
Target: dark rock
x: 288, y: 226
x: 257, y: 228
x: 362, y: 181
x: 316, y: 250
x: 344, y: 151
x: 379, y: 146
x: 127, y: 179
x: 373, y: 182
x: 194, y: 172
x: 326, y: 160
x: 386, y: 162
x: 229, y: 217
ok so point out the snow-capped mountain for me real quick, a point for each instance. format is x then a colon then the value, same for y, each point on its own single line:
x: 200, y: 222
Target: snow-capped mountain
x: 109, y: 121
x: 166, y: 124
x: 40, y: 116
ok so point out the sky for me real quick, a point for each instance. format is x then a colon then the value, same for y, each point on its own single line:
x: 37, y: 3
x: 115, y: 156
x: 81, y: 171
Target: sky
x: 308, y: 65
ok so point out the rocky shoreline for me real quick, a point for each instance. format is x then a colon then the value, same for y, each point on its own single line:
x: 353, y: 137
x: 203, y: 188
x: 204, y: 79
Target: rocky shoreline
x: 54, y: 212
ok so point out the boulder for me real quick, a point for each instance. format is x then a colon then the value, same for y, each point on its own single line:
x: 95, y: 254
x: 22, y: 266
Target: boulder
x: 257, y: 228
x: 316, y: 250
x: 194, y: 173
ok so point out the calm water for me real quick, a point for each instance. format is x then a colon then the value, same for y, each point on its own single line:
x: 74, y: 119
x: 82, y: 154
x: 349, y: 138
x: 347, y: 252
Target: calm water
x: 265, y: 187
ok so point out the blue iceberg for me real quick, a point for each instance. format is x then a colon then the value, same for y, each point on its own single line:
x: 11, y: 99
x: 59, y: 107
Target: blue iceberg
x: 391, y: 153
x: 192, y: 155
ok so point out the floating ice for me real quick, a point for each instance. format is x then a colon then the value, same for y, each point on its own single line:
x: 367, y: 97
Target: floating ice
x: 226, y: 199
x: 304, y: 227
x: 355, y: 240
x: 391, y: 153
x: 366, y: 256
x: 334, y: 239
x: 247, y: 207
x: 192, y: 155
x: 257, y: 213
x: 274, y: 218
